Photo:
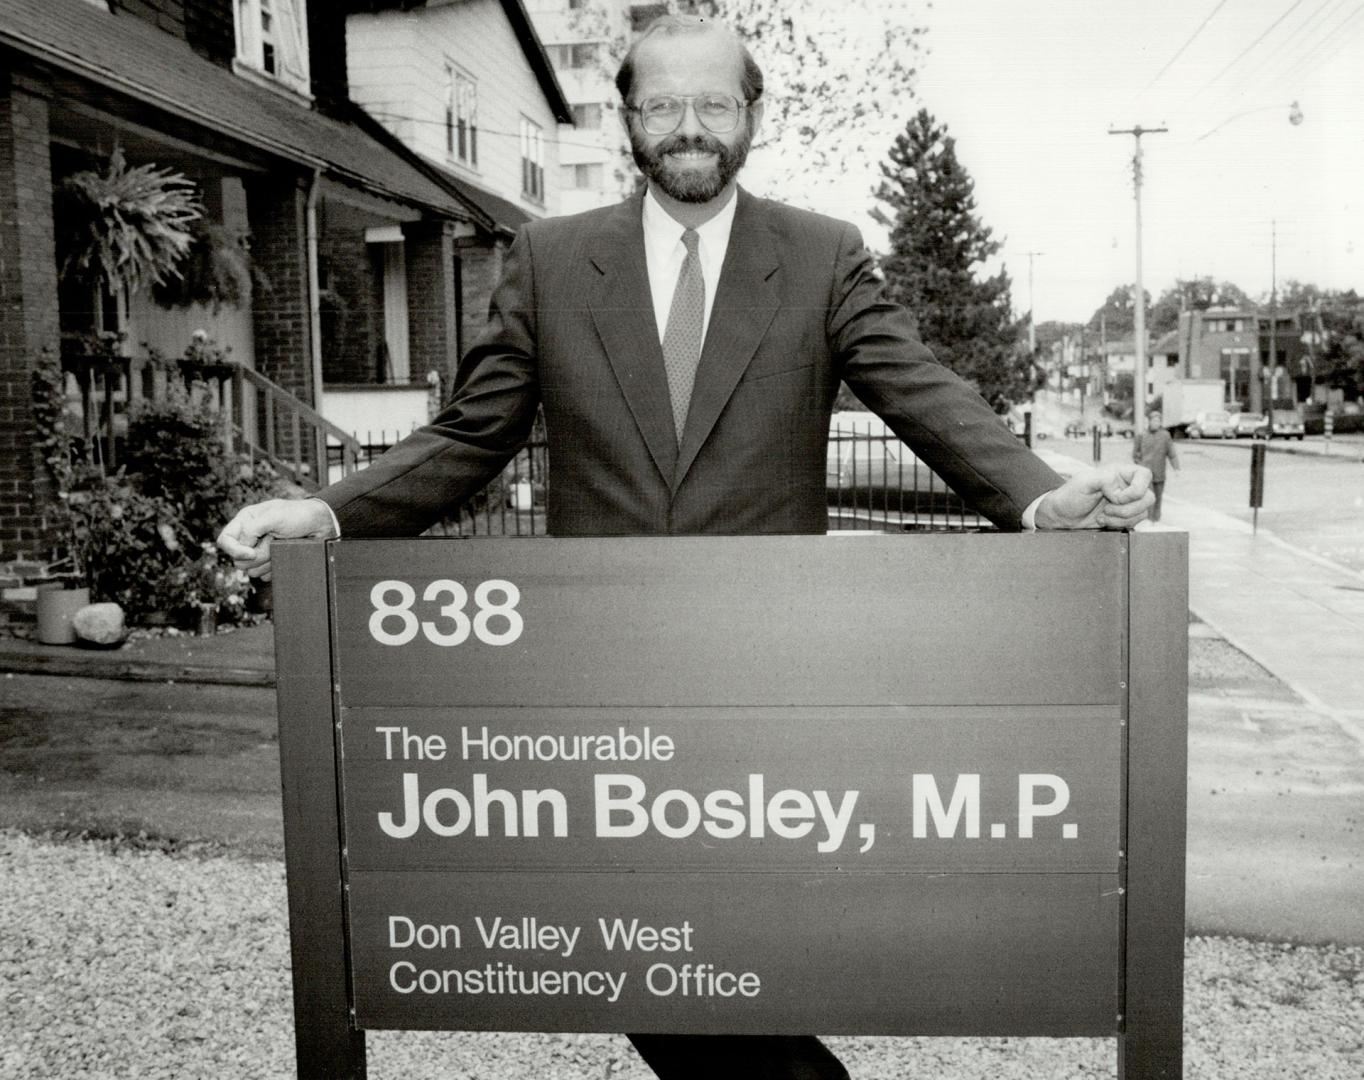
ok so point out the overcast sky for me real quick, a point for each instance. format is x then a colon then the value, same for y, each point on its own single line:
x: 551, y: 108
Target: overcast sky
x: 1030, y: 89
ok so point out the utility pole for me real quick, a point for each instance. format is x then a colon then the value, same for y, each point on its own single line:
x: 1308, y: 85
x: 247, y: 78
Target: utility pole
x: 1268, y: 371
x: 1032, y: 320
x: 1103, y: 358
x: 1084, y: 373
x: 1139, y: 294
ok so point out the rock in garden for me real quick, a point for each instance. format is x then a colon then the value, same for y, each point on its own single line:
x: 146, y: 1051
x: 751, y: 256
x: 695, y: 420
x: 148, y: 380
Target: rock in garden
x: 99, y: 623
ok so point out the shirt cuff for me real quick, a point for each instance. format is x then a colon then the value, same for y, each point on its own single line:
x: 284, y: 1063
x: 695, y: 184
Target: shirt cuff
x: 336, y: 525
x: 1029, y: 520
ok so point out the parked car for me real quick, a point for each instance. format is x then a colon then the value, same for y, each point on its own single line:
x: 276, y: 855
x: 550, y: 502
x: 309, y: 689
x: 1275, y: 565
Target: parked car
x: 1288, y: 424
x: 1078, y: 429
x: 1244, y: 425
x: 869, y: 467
x: 1211, y: 425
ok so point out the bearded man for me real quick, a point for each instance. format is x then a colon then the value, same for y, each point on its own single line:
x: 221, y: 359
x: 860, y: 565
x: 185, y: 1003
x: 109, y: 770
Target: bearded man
x: 687, y: 346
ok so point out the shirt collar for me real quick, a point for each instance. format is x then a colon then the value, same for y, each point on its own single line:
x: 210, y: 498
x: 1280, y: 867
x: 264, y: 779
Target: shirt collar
x: 665, y: 231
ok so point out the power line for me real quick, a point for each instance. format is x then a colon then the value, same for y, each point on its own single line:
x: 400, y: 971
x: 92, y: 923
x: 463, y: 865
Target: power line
x: 1291, y: 50
x: 1249, y: 48
x: 485, y: 131
x: 1180, y: 51
x: 1290, y: 57
x: 1332, y: 44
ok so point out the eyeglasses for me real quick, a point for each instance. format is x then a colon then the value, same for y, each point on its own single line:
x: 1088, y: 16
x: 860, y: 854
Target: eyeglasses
x: 718, y: 113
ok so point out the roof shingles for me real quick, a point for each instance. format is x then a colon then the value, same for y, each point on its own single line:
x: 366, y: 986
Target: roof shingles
x: 126, y: 54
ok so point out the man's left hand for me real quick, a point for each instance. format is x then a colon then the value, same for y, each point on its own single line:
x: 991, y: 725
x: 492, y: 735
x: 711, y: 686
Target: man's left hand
x: 1113, y: 496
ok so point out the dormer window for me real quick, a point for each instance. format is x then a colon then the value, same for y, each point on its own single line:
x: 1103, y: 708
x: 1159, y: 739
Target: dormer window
x: 272, y: 40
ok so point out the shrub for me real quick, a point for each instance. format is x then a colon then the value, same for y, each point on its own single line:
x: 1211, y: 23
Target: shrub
x: 143, y: 537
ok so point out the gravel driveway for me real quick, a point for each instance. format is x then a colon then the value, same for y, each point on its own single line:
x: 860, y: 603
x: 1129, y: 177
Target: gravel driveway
x: 120, y: 960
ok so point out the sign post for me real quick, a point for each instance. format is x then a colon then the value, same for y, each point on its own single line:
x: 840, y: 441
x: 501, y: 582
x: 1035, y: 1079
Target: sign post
x: 875, y: 785
x: 1257, y: 483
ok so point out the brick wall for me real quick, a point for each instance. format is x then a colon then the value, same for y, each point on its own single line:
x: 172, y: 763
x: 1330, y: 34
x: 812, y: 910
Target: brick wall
x: 167, y: 15
x: 327, y: 58
x: 211, y: 30
x: 482, y: 266
x: 277, y: 210
x: 28, y: 312
x: 431, y: 299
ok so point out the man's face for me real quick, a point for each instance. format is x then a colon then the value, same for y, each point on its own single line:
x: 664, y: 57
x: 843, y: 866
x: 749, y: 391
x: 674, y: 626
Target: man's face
x: 1153, y: 421
x: 691, y: 164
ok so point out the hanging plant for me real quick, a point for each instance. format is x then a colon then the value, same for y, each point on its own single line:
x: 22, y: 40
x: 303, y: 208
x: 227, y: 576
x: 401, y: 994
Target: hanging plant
x: 128, y: 227
x: 218, y: 270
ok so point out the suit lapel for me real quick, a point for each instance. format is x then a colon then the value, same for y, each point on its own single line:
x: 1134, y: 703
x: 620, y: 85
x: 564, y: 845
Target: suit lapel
x: 746, y: 301
x: 623, y: 311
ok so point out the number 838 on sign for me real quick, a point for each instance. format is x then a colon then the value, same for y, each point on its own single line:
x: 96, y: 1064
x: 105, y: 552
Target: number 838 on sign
x: 395, y: 618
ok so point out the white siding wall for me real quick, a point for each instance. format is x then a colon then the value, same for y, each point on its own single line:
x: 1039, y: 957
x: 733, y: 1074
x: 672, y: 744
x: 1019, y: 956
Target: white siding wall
x: 396, y: 63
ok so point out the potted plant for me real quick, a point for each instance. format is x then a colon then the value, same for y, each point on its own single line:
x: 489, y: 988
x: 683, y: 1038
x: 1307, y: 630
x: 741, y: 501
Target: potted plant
x: 124, y: 229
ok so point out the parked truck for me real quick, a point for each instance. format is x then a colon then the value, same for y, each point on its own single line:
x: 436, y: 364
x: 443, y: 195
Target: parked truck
x: 1186, y: 399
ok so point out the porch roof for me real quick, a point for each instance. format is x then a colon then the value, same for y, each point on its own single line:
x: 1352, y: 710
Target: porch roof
x: 128, y: 55
x: 505, y: 213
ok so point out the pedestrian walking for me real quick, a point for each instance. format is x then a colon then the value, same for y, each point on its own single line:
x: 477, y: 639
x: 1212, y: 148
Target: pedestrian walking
x: 1153, y: 448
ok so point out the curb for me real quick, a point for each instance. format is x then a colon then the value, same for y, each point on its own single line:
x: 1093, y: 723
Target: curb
x: 1345, y: 451
x: 134, y: 670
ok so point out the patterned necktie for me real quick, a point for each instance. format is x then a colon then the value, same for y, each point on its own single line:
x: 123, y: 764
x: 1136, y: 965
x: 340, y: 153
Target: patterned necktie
x: 682, y: 338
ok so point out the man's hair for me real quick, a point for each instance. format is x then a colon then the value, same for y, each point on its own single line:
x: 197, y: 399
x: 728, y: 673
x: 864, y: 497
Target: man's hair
x: 750, y: 81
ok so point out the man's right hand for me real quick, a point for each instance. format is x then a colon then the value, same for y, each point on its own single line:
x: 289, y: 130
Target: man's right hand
x: 247, y: 536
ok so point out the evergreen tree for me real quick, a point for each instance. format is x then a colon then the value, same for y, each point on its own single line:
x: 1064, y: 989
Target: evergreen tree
x: 937, y: 246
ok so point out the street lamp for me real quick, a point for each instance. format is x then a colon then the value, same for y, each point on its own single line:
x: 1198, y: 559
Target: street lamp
x: 1294, y: 117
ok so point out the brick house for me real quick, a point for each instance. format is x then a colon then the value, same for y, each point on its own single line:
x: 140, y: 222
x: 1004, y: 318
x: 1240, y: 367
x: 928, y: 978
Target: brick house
x: 1233, y: 343
x: 250, y: 100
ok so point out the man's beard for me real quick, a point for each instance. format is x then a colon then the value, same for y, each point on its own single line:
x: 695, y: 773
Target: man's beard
x: 691, y: 185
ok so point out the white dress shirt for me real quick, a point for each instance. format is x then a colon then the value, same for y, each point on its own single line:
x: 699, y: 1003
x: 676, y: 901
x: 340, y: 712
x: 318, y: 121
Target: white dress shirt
x: 664, y: 252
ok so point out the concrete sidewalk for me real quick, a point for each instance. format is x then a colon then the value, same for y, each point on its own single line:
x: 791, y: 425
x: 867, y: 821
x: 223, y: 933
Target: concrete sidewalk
x: 1299, y: 616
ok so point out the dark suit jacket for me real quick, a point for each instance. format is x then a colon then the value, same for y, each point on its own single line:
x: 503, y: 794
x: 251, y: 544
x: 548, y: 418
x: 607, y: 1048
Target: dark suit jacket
x: 798, y: 307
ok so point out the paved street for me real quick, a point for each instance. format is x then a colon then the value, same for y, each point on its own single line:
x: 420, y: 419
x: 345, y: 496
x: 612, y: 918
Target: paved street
x: 196, y: 761
x: 1315, y: 503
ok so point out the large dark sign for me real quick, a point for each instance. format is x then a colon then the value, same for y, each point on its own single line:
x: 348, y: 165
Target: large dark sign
x: 873, y: 784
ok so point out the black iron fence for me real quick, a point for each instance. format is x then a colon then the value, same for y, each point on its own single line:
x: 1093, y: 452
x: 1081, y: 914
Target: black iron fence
x: 874, y: 482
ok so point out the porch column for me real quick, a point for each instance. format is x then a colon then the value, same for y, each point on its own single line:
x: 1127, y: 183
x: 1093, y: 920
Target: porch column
x: 482, y: 260
x: 28, y: 314
x: 277, y: 209
x: 431, y: 299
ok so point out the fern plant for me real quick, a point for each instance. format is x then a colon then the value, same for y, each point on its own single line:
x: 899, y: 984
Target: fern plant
x: 128, y: 227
